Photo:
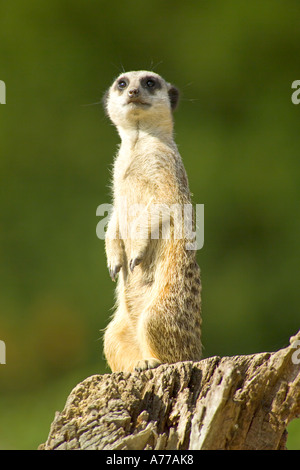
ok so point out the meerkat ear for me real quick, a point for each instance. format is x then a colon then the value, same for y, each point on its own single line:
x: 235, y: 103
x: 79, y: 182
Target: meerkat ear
x: 173, y: 96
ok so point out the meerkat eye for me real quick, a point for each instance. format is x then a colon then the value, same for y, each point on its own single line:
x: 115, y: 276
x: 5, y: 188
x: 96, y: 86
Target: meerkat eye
x: 122, y: 84
x: 150, y: 83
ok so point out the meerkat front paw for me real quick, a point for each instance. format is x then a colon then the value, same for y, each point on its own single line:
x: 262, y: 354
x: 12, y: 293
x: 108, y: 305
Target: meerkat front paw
x: 114, y: 259
x: 113, y: 271
x: 146, y: 364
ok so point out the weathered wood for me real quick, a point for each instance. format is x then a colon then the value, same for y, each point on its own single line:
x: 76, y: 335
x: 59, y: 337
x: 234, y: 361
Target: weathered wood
x: 241, y: 402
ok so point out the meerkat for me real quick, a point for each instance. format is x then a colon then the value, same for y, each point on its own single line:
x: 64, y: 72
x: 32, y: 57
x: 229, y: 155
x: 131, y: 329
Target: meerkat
x: 158, y: 294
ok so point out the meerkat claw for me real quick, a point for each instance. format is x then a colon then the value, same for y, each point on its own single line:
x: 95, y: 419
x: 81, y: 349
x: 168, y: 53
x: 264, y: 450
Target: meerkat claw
x: 146, y: 364
x: 113, y: 272
x: 134, y: 262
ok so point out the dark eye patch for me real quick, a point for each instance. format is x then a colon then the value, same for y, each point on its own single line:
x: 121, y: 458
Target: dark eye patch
x: 150, y: 83
x: 122, y: 83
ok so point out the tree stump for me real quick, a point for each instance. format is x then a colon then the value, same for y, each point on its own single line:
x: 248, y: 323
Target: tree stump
x: 241, y: 402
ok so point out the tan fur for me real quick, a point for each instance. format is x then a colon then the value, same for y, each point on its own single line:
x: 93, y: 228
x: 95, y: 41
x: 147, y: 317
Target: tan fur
x: 157, y: 317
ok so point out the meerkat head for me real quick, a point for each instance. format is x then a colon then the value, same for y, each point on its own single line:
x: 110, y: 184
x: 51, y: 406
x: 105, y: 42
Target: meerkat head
x: 141, y: 99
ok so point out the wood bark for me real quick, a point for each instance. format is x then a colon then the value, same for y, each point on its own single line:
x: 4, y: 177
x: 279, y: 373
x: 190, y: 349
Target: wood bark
x: 241, y: 402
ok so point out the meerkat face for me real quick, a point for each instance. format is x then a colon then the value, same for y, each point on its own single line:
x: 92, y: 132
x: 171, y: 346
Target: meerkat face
x: 140, y: 97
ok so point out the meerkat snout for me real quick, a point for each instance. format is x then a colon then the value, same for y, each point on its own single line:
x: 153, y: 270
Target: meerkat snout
x: 133, y: 92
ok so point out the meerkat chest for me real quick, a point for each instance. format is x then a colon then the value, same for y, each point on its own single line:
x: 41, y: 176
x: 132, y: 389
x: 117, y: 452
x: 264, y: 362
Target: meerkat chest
x: 127, y: 165
x: 131, y: 164
x: 132, y: 182
x: 145, y: 161
x: 146, y: 171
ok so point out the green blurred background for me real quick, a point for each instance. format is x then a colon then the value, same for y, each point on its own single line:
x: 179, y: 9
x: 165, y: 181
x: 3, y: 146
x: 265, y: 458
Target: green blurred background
x: 238, y: 133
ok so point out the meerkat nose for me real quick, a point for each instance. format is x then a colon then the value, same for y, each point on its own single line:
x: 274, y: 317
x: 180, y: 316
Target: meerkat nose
x: 133, y: 92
